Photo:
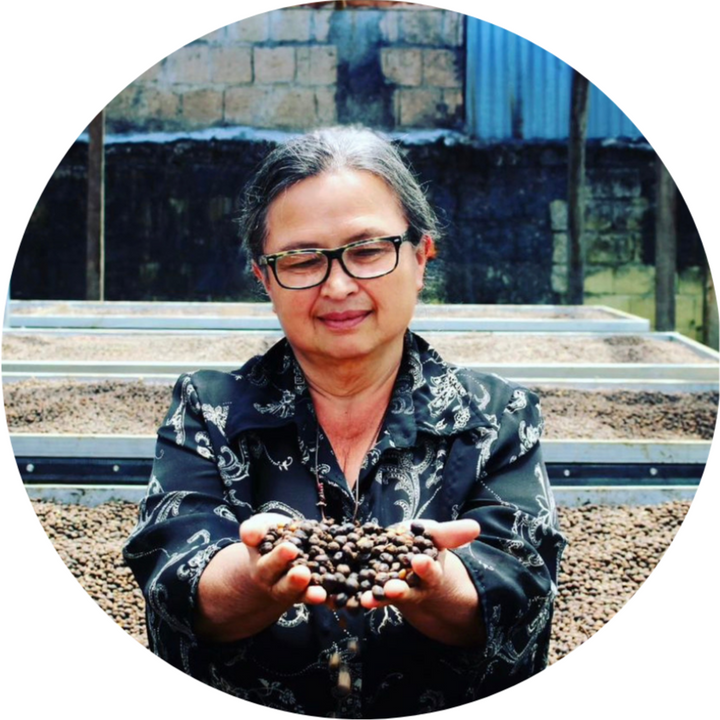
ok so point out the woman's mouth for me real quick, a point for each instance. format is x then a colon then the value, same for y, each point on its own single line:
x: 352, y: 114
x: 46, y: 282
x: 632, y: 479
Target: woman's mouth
x: 344, y: 320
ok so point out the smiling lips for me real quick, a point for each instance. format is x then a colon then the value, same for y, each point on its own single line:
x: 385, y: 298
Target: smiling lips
x: 344, y: 320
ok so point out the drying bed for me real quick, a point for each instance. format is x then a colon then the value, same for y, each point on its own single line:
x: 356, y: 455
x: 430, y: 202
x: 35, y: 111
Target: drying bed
x: 460, y: 348
x: 611, y: 551
x: 138, y: 407
x: 259, y: 316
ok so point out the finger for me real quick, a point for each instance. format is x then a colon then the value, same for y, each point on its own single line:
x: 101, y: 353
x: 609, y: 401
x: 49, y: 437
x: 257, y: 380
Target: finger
x: 254, y: 529
x: 314, y: 595
x: 271, y: 567
x: 292, y: 585
x: 370, y: 602
x: 396, y: 590
x: 455, y: 533
x: 427, y: 569
x: 406, y: 524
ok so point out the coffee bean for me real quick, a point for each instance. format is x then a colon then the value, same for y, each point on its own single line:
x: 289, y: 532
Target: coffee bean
x: 335, y: 660
x: 612, y: 550
x: 352, y: 584
x: 348, y: 559
x: 344, y: 682
x: 412, y: 579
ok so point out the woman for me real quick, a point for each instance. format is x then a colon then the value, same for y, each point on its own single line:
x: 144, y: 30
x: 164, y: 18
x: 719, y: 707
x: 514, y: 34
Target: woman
x: 353, y: 417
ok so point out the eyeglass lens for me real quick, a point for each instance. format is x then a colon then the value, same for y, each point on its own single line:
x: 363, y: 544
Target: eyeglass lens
x: 365, y: 261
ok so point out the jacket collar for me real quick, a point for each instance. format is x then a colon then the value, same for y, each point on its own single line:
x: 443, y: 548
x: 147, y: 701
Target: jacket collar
x: 430, y: 395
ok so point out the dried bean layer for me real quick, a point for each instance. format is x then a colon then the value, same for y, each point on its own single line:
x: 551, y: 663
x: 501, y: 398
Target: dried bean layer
x: 612, y: 551
x: 348, y: 559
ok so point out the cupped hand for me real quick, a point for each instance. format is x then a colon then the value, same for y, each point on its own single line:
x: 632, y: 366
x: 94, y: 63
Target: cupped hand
x: 274, y: 572
x: 241, y: 591
x: 436, y: 579
x: 444, y: 605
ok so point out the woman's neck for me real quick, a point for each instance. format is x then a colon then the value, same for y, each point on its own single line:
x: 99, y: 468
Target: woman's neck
x: 350, y: 401
x: 351, y: 393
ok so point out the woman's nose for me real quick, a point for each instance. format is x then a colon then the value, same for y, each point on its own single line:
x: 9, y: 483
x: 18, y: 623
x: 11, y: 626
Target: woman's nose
x: 338, y: 282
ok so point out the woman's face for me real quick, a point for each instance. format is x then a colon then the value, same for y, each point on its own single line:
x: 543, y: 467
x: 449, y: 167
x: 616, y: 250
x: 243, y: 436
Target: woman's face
x: 344, y: 318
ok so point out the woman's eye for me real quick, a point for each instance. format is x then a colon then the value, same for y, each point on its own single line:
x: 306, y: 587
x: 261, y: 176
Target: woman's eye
x: 368, y: 252
x: 301, y: 263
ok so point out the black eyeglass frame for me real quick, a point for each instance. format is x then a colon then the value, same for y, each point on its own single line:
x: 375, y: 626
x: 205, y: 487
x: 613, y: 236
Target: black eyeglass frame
x: 337, y: 254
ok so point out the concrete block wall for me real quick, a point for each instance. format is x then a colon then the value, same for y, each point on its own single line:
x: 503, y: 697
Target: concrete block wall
x: 170, y: 230
x: 615, y: 274
x: 392, y: 66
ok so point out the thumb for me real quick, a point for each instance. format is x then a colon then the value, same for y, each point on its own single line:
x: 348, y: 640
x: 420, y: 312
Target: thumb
x: 254, y: 529
x: 455, y: 533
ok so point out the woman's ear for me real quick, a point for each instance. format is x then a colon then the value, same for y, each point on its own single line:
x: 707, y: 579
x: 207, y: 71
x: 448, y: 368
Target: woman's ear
x: 425, y: 251
x: 431, y: 250
x: 261, y: 277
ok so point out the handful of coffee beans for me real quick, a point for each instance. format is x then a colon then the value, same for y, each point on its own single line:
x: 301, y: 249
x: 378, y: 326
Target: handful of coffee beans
x: 349, y: 558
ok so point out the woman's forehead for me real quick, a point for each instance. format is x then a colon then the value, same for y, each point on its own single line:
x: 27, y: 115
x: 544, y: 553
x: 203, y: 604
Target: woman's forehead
x: 354, y: 202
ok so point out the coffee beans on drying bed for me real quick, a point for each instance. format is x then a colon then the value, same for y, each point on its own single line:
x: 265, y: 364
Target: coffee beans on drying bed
x: 348, y: 559
x: 612, y: 551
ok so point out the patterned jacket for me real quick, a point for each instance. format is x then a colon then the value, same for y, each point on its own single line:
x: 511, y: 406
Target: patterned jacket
x: 454, y: 444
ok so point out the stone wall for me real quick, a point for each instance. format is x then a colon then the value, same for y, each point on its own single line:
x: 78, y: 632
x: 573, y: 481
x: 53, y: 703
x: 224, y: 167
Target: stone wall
x: 394, y: 66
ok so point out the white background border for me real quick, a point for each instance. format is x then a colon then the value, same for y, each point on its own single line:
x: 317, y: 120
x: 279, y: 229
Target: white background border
x: 62, y: 62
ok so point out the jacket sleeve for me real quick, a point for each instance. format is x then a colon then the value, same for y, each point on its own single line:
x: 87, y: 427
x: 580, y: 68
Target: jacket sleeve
x: 198, y: 495
x: 514, y: 562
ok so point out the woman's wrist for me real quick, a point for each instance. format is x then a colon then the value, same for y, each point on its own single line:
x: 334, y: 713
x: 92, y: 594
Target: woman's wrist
x: 450, y: 612
x: 229, y: 605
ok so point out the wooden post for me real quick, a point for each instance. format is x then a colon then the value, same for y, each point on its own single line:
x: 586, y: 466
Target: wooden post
x: 711, y: 331
x: 576, y: 187
x: 665, y: 248
x: 95, y: 243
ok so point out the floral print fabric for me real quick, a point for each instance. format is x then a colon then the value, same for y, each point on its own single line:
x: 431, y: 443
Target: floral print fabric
x: 454, y: 444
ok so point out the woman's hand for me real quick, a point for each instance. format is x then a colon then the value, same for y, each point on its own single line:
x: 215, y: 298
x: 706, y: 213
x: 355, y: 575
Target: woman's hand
x: 445, y: 604
x: 272, y: 572
x: 241, y: 592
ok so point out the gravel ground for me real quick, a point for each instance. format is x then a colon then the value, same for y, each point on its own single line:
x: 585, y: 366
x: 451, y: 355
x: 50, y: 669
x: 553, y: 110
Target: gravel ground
x: 612, y: 551
x: 460, y: 348
x: 138, y: 408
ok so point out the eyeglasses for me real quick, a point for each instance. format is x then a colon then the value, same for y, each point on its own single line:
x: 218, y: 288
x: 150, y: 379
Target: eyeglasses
x: 362, y: 260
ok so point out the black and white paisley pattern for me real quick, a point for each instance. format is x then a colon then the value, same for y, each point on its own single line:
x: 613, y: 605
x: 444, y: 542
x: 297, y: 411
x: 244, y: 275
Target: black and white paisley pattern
x: 224, y: 512
x: 188, y: 399
x: 204, y: 445
x: 275, y: 506
x: 295, y: 616
x: 445, y: 390
x: 283, y: 408
x: 485, y: 437
x: 232, y: 468
x: 519, y: 401
x: 454, y: 443
x: 169, y: 506
x: 529, y: 436
x: 400, y: 472
x: 547, y: 516
x: 191, y: 570
x: 216, y: 415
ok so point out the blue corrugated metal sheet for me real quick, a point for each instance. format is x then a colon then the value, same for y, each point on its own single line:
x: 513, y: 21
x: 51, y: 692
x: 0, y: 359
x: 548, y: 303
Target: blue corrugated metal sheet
x: 515, y: 89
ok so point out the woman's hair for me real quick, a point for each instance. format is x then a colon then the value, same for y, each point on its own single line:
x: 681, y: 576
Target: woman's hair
x: 326, y: 150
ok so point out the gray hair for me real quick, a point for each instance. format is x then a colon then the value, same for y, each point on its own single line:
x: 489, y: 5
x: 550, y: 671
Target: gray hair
x: 326, y: 150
